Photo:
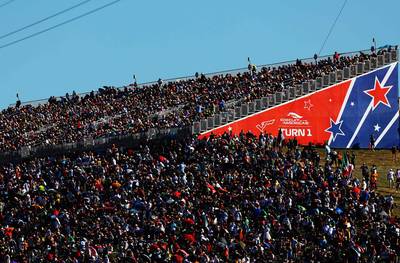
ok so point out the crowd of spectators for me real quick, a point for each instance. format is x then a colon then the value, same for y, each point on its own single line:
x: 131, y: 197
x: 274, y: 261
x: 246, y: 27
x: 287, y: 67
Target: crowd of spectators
x: 111, y: 111
x: 239, y: 198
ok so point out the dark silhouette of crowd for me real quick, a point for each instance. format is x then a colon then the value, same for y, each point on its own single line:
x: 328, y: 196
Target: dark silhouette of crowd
x: 239, y: 198
x: 133, y: 109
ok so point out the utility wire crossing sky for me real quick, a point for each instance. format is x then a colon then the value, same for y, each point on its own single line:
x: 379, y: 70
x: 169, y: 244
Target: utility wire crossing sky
x: 164, y: 39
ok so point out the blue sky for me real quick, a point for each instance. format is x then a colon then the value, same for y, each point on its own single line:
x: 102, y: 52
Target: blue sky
x: 173, y: 38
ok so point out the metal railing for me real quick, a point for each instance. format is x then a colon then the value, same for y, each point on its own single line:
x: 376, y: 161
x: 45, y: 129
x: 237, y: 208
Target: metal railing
x: 94, y: 144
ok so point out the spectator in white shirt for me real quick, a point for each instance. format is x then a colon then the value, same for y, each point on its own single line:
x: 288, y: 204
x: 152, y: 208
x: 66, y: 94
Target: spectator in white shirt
x: 390, y: 178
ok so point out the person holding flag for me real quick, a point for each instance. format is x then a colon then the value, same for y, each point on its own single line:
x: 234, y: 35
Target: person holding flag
x: 347, y: 167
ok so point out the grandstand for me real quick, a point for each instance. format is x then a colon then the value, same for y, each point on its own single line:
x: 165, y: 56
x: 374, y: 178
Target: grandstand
x: 168, y: 172
x: 291, y: 92
x: 112, y: 114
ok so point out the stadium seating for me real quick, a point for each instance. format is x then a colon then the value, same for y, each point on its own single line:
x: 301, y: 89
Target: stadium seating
x: 111, y: 112
x: 228, y: 198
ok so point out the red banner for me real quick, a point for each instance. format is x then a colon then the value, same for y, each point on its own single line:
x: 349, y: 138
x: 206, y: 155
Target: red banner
x: 305, y: 118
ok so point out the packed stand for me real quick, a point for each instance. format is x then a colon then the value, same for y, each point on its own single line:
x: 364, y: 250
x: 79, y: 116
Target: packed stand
x: 225, y: 199
x: 112, y: 111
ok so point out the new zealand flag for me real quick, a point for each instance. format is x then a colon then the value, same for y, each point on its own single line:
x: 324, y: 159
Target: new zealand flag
x: 346, y: 115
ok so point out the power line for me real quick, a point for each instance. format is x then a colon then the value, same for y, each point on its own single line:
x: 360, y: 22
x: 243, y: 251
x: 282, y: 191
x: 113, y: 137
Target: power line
x: 44, y: 19
x: 6, y: 3
x: 60, y: 24
x: 333, y: 25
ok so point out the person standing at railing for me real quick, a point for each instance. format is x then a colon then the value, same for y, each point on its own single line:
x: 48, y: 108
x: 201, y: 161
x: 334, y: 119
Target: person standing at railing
x: 336, y: 57
x: 18, y: 103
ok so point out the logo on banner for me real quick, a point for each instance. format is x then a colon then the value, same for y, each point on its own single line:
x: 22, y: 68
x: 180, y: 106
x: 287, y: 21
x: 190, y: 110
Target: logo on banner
x: 261, y: 127
x: 294, y: 119
x: 294, y: 115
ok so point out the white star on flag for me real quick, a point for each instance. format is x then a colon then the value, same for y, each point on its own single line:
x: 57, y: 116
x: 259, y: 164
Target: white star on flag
x: 352, y: 103
x: 377, y: 127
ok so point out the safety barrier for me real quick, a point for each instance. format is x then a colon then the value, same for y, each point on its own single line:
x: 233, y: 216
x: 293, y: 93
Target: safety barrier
x: 98, y: 143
